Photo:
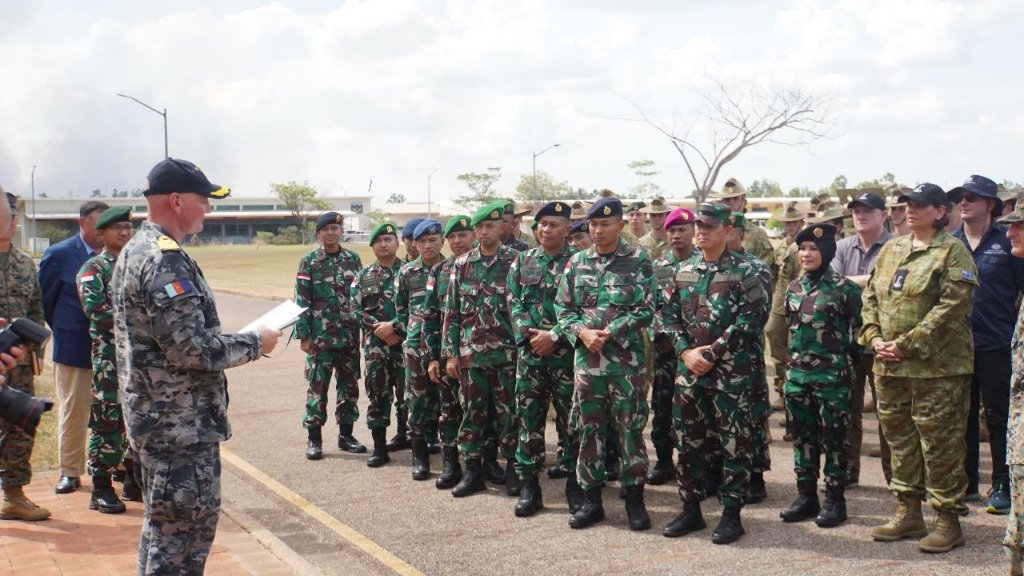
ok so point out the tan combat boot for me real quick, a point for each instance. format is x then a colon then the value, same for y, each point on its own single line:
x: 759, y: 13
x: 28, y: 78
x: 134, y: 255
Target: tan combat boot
x: 906, y: 522
x: 17, y: 506
x: 945, y: 535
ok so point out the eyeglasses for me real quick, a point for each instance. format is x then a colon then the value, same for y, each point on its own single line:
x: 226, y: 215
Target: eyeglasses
x: 969, y: 198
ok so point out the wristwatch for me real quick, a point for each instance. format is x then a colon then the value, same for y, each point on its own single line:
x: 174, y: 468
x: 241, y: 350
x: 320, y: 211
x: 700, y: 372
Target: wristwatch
x: 553, y: 336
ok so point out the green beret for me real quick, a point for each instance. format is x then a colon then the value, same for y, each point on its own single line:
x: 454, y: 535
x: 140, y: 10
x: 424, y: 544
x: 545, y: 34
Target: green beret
x: 457, y: 223
x: 382, y: 229
x: 113, y: 216
x: 489, y: 212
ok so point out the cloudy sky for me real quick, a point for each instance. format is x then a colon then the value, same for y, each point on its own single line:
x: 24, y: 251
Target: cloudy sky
x: 339, y: 93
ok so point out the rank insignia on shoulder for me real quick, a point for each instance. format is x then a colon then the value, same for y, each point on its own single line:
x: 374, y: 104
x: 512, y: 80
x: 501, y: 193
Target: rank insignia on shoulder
x: 178, y: 287
x: 167, y: 244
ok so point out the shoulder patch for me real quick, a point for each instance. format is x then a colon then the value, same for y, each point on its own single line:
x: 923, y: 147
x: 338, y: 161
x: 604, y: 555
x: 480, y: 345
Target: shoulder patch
x: 178, y: 287
x: 167, y: 244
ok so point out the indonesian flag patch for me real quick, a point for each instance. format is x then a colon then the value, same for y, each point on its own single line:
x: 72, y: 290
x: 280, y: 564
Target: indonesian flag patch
x: 88, y: 277
x: 301, y: 276
x: 178, y: 287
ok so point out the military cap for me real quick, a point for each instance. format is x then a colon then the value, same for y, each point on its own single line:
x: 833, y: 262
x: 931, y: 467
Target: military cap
x: 383, y: 229
x: 457, y: 223
x: 679, y: 216
x: 793, y: 213
x: 328, y: 218
x: 713, y: 214
x: 869, y: 200
x: 817, y: 233
x: 827, y: 212
x: 493, y: 211
x: 819, y: 199
x: 579, y: 226
x: 510, y: 208
x: 606, y: 193
x: 739, y: 220
x: 634, y: 206
x: 426, y: 228
x: 560, y: 209
x: 926, y: 193
x: 609, y: 207
x: 175, y: 175
x: 731, y: 189
x: 981, y: 187
x: 113, y: 216
x: 657, y: 206
x: 894, y: 197
x: 1005, y: 194
x: 1017, y: 215
x: 579, y: 211
x: 410, y: 227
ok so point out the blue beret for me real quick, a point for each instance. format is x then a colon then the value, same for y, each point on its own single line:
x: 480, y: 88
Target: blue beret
x: 425, y: 228
x: 579, y: 226
x: 410, y: 227
x: 328, y: 218
x: 560, y: 209
x: 605, y: 208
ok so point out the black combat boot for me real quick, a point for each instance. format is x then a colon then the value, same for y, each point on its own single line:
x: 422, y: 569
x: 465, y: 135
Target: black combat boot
x: 347, y: 442
x: 833, y: 513
x: 493, y: 473
x: 806, y: 504
x: 400, y: 441
x: 315, y: 445
x: 729, y: 528
x: 530, y: 500
x: 663, y: 469
x: 592, y: 511
x: 380, y: 455
x: 472, y: 481
x: 131, y: 491
x: 452, y: 471
x: 636, y: 511
x: 513, y: 485
x: 689, y: 520
x: 756, y: 490
x: 712, y: 480
x: 574, y: 495
x: 103, y: 497
x: 557, y: 472
x: 420, y: 459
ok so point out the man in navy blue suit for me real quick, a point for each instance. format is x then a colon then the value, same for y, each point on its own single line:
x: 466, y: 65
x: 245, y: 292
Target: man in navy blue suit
x: 71, y: 343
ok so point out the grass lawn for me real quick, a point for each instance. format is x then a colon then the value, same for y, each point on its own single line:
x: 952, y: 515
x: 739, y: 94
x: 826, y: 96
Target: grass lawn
x: 44, y: 453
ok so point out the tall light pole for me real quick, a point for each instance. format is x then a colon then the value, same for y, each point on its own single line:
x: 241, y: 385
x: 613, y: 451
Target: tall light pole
x: 32, y: 229
x: 535, y: 154
x: 163, y: 113
x: 428, y: 191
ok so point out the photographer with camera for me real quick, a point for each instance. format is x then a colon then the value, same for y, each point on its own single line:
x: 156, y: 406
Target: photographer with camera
x: 20, y: 296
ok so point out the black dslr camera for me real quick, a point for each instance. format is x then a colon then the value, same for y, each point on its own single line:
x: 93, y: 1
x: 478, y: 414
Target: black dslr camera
x: 17, y: 407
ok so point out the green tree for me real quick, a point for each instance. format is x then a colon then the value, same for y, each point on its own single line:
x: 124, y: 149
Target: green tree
x: 376, y: 217
x: 301, y: 200
x: 546, y: 190
x: 645, y: 189
x: 396, y: 198
x: 764, y: 188
x: 481, y: 188
x: 886, y: 182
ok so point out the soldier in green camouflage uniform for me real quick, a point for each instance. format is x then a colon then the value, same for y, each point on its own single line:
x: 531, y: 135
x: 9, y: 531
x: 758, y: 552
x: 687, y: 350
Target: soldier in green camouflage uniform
x: 1013, y: 542
x: 714, y: 315
x: 20, y: 296
x: 171, y: 357
x: 372, y: 295
x: 328, y: 332
x: 755, y: 240
x: 544, y: 374
x: 479, y: 344
x: 917, y: 307
x: 106, y: 448
x: 823, y: 313
x: 604, y: 308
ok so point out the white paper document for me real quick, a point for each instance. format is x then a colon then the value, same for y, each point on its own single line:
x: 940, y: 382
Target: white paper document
x: 282, y: 316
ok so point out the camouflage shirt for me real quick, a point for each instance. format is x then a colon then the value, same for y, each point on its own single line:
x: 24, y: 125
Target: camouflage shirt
x: 477, y: 328
x: 664, y: 280
x: 410, y: 304
x: 1015, y: 424
x: 94, y: 292
x: 373, y: 300
x: 611, y: 292
x: 20, y: 294
x: 787, y: 267
x: 655, y: 248
x: 171, y: 354
x: 437, y: 295
x: 323, y: 285
x: 533, y: 286
x: 824, y: 319
x: 756, y: 242
x: 921, y: 298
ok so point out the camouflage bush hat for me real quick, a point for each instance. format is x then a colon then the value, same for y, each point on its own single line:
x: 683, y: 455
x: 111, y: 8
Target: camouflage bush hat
x: 175, y: 175
x: 731, y: 189
x: 328, y: 218
x: 793, y: 213
x: 113, y: 216
x: 510, y: 208
x: 634, y: 206
x: 383, y: 230
x: 426, y: 228
x: 490, y: 212
x: 457, y: 223
x: 657, y: 206
x: 1017, y: 215
x: 713, y: 214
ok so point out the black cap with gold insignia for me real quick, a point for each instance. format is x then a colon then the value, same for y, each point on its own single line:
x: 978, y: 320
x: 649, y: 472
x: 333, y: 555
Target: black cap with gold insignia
x: 609, y: 207
x: 559, y: 209
x: 383, y: 229
x: 328, y: 218
x: 176, y: 175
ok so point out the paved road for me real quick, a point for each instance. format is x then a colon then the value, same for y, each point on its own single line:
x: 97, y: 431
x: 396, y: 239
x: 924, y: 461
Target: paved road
x: 437, y: 534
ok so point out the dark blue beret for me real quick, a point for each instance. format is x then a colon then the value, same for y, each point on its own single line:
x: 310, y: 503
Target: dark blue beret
x: 605, y: 208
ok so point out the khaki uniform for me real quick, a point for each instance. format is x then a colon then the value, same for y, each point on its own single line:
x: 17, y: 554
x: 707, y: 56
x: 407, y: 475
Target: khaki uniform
x: 756, y: 242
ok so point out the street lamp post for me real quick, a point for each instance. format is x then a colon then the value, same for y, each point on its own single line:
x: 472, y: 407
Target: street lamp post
x: 535, y: 154
x: 428, y: 191
x: 162, y: 113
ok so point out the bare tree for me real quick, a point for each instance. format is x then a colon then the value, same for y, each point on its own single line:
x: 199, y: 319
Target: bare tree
x: 734, y: 123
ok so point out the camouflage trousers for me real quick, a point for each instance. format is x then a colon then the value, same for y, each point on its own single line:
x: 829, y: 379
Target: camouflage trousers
x: 776, y: 332
x: 537, y: 388
x: 760, y: 411
x: 1013, y: 542
x: 107, y: 440
x: 709, y: 420
x: 384, y: 383
x: 344, y: 366
x: 486, y: 393
x: 925, y: 420
x: 15, y: 444
x: 819, y: 420
x: 450, y: 418
x: 181, y: 491
x: 422, y: 397
x: 620, y: 400
x: 661, y: 401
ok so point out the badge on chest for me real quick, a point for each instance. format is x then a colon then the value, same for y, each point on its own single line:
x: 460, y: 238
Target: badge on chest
x: 898, y: 281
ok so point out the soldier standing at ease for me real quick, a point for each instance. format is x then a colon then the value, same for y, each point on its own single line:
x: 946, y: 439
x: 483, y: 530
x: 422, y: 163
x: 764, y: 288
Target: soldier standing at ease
x: 604, y: 307
x: 328, y: 333
x: 785, y: 269
x: 372, y: 295
x: 579, y: 236
x: 107, y: 443
x: 411, y: 253
x: 714, y: 315
x: 823, y: 312
x: 637, y: 220
x: 656, y: 241
x: 20, y: 295
x: 510, y: 227
x: 756, y: 241
x: 679, y: 225
x: 544, y: 373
